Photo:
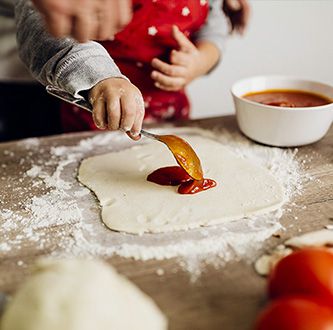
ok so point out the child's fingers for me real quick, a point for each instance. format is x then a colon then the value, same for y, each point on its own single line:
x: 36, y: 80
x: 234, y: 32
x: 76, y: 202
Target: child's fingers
x: 168, y: 69
x: 179, y: 58
x: 184, y: 43
x: 168, y: 83
x: 173, y: 88
x: 136, y: 128
x: 113, y: 112
x: 99, y: 113
x: 128, y: 111
x: 124, y: 107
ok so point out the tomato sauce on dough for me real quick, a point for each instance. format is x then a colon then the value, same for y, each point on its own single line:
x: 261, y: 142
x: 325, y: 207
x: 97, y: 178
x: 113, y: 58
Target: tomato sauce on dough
x: 176, y: 175
x: 288, y: 98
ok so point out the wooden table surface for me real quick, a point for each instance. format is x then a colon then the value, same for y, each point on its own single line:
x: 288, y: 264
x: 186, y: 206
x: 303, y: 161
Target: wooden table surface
x: 225, y: 298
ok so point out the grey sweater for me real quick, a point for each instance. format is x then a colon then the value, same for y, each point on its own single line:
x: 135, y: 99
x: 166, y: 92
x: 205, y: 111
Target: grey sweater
x: 76, y: 67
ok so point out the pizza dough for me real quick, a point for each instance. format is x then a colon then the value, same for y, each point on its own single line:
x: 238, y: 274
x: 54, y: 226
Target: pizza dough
x: 134, y: 205
x: 80, y: 295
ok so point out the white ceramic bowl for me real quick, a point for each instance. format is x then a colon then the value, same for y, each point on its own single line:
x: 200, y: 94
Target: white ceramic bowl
x: 279, y: 126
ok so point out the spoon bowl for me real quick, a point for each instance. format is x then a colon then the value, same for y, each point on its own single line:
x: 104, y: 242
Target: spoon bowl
x: 183, y: 153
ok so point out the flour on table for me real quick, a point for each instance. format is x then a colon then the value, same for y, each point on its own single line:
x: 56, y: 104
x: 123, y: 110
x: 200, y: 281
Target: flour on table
x: 132, y: 204
x: 78, y: 231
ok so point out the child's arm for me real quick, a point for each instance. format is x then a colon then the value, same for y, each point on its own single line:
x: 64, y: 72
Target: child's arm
x: 75, y: 68
x: 216, y: 28
x: 191, y: 60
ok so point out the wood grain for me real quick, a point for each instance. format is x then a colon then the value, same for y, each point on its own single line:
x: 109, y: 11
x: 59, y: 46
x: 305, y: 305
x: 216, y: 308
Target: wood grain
x: 226, y: 298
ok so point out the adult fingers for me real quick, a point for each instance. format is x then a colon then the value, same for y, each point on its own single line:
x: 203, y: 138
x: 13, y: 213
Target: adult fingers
x: 104, y: 30
x: 178, y: 58
x: 84, y: 27
x: 124, y: 12
x: 58, y: 24
x: 106, y: 17
x: 103, y: 26
x: 99, y: 113
x: 80, y: 30
x: 168, y: 69
x: 112, y: 15
x: 184, y: 43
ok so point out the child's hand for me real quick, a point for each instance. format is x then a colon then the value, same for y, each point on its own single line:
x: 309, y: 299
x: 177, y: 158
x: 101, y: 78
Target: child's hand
x: 184, y: 66
x: 117, y: 104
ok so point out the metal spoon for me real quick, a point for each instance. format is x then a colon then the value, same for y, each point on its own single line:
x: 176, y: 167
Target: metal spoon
x: 181, y: 150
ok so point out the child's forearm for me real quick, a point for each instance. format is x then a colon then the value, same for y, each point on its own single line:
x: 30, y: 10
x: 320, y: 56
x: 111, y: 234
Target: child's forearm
x: 209, y: 54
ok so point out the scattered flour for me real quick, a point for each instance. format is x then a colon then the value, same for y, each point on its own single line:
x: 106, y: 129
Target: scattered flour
x: 63, y: 203
x: 34, y: 171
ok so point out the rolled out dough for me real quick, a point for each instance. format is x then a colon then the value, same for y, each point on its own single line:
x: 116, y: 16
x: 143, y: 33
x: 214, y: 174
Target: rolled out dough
x: 134, y: 205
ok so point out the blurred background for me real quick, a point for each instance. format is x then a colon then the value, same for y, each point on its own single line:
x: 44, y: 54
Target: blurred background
x: 286, y: 37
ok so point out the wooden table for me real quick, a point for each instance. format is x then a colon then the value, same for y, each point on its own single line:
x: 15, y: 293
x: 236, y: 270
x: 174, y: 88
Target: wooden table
x: 226, y: 298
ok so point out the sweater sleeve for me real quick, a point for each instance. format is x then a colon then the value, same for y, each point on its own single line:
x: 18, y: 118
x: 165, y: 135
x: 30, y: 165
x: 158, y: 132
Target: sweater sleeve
x: 216, y: 29
x: 63, y: 63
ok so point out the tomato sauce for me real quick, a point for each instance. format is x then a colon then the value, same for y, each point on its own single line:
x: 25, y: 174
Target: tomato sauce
x: 288, y: 98
x: 176, y: 175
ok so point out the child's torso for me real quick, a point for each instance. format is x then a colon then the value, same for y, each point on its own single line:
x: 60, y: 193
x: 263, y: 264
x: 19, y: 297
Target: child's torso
x: 148, y: 35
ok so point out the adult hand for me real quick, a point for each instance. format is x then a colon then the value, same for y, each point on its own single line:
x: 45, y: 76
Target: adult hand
x: 117, y: 104
x: 238, y: 13
x: 85, y: 19
x: 186, y: 63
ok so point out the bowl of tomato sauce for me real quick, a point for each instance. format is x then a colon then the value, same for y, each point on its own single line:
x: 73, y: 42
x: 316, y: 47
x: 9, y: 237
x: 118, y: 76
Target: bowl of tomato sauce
x: 283, y: 111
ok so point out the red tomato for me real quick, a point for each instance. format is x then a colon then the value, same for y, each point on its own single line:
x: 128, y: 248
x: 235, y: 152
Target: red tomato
x: 295, y: 313
x: 304, y: 272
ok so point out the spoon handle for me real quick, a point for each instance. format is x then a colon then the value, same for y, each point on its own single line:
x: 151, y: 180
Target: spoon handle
x: 60, y: 94
x: 83, y: 103
x: 149, y: 135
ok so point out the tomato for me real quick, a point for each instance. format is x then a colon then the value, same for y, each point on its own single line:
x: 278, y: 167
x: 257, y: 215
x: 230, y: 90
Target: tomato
x: 296, y: 313
x: 304, y: 272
